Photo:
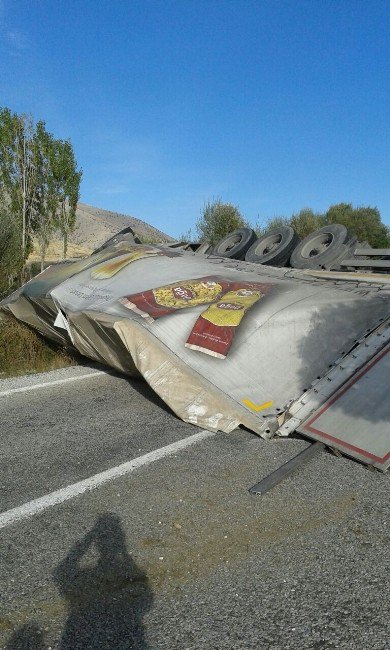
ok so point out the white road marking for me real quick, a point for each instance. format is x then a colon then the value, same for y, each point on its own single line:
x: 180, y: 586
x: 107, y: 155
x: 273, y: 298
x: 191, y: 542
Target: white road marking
x: 56, y: 382
x: 32, y: 508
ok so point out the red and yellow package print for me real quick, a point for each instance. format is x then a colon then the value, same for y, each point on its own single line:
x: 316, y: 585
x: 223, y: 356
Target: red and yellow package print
x: 155, y: 303
x: 214, y: 330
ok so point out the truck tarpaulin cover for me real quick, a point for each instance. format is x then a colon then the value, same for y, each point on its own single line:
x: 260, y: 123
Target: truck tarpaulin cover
x: 222, y: 343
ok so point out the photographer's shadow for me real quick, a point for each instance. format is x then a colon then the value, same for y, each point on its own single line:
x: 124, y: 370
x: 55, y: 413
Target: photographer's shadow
x: 27, y: 637
x: 107, y: 596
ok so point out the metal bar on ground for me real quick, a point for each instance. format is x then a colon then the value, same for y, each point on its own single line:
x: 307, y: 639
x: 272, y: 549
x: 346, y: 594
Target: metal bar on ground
x: 372, y: 251
x: 287, y: 469
x: 378, y: 264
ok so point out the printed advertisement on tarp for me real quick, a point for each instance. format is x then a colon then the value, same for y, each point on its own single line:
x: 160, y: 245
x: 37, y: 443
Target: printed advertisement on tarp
x: 237, y: 345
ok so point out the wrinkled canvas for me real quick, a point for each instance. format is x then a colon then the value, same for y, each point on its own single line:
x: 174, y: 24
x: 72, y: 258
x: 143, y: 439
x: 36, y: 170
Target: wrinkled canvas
x: 222, y: 344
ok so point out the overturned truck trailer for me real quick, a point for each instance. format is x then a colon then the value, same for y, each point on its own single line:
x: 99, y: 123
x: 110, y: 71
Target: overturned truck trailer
x: 227, y: 343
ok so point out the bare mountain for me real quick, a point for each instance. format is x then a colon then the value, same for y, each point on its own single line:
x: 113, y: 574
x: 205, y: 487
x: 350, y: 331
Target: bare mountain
x: 95, y: 225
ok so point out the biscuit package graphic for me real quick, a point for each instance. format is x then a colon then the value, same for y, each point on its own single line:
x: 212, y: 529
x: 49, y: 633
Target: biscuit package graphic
x: 214, y: 330
x: 155, y: 303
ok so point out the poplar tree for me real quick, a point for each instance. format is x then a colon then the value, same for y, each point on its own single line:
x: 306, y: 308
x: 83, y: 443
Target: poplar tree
x: 47, y: 198
x: 39, y: 182
x: 18, y: 172
x: 67, y: 180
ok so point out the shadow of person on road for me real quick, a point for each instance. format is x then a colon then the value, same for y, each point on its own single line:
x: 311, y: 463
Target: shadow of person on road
x: 107, y: 595
x: 27, y: 637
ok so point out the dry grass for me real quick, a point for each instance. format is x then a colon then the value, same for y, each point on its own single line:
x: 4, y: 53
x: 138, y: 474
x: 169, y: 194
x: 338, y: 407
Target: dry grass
x: 54, y: 252
x: 24, y: 352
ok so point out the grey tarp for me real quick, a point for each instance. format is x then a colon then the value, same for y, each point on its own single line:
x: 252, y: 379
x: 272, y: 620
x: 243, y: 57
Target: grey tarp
x: 235, y: 351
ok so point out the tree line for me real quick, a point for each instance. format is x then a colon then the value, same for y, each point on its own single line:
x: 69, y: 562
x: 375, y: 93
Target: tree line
x: 218, y: 219
x: 39, y: 191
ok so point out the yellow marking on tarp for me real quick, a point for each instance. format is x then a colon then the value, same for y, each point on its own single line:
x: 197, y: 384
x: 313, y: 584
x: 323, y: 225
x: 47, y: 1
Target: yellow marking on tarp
x: 257, y: 407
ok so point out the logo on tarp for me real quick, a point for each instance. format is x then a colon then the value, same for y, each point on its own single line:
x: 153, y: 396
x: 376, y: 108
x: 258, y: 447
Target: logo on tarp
x: 229, y: 305
x: 183, y: 293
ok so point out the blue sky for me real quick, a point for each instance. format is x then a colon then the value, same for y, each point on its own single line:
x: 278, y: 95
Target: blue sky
x: 271, y: 105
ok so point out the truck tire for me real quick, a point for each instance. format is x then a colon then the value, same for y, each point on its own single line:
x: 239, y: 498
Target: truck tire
x: 236, y: 244
x: 274, y: 248
x: 323, y: 248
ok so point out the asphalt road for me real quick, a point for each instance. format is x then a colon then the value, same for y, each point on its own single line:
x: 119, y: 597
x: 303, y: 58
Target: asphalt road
x: 176, y: 554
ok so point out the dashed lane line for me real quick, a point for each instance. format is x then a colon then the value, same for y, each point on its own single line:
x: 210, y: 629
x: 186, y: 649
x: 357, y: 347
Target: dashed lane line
x: 36, y: 506
x: 56, y: 382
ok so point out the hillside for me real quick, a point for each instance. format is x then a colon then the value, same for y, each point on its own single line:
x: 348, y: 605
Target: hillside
x: 95, y: 225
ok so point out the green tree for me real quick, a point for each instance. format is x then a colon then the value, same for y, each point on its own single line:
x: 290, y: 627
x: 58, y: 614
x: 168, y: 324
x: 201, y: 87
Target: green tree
x: 271, y: 223
x: 67, y: 178
x: 11, y: 259
x: 364, y: 222
x: 58, y: 190
x: 47, y: 204
x: 39, y: 181
x: 306, y: 221
x: 217, y: 220
x: 18, y: 171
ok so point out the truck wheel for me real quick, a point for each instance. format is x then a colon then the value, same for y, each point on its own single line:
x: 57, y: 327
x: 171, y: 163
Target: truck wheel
x: 274, y: 248
x: 322, y: 248
x: 236, y: 244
